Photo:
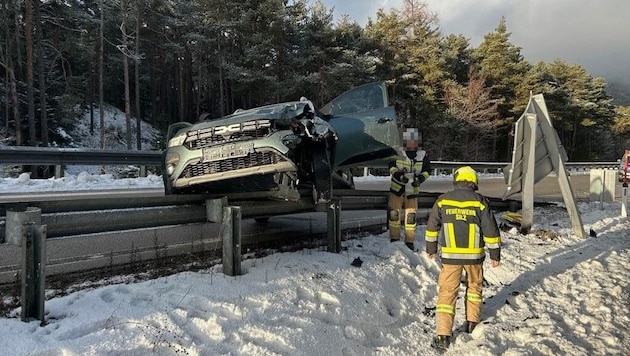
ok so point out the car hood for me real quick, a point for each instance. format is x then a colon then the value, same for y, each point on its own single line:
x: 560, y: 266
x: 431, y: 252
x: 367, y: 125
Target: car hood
x: 282, y: 111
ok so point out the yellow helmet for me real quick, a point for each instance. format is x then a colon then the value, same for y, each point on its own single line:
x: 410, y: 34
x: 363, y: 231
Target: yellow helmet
x: 465, y: 173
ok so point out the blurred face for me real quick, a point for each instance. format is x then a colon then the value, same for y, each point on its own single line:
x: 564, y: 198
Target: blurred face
x: 410, y: 145
x: 410, y: 139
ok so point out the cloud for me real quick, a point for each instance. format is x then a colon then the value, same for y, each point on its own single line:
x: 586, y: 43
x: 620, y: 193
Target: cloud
x: 593, y: 34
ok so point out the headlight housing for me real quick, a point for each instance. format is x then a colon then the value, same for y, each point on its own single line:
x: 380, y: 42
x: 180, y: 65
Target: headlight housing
x: 171, y: 161
x: 177, y: 140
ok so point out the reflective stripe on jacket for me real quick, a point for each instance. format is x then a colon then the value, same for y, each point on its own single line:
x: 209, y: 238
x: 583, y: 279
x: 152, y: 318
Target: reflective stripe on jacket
x: 463, y: 224
x: 412, y: 168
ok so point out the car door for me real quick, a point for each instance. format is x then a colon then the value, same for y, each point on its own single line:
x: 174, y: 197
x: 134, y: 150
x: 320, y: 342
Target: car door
x: 366, y: 125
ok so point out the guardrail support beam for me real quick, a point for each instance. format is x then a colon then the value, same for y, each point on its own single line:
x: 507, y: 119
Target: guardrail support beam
x: 33, y: 272
x: 214, y: 209
x: 334, y: 228
x: 231, y: 233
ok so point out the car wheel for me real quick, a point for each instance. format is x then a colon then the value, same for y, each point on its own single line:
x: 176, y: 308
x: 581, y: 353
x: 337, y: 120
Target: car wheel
x: 343, y: 179
x: 168, y: 188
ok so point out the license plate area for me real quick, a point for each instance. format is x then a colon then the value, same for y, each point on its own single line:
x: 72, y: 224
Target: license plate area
x: 230, y: 150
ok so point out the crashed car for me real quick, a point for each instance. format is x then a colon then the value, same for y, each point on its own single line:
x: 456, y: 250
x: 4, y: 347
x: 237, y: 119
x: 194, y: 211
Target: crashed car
x: 284, y: 147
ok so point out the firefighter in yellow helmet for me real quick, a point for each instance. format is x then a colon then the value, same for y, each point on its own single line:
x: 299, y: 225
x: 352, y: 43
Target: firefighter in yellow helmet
x: 408, y: 172
x: 462, y: 224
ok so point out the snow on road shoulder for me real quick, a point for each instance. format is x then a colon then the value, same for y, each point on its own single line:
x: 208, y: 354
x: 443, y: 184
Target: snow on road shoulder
x: 81, y: 181
x: 567, y: 292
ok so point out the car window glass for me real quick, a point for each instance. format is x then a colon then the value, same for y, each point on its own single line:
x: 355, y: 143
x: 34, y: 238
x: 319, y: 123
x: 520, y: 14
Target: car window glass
x: 361, y: 99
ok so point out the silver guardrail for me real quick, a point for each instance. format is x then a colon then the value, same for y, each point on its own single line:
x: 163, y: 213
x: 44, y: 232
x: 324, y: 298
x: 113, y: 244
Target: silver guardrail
x: 73, y: 156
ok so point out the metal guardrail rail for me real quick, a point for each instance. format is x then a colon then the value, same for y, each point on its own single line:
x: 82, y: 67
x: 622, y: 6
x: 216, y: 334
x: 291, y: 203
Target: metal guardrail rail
x: 74, y: 156
x: 77, y: 228
x: 68, y: 217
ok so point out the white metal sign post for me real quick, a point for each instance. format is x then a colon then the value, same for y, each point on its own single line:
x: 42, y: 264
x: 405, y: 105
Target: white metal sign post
x: 624, y: 190
x: 624, y: 200
x: 538, y: 152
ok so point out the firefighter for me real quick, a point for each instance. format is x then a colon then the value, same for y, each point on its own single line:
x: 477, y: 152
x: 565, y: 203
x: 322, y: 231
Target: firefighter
x: 462, y: 224
x: 408, y: 172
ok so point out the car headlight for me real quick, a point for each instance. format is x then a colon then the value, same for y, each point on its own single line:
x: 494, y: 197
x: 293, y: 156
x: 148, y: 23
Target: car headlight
x: 171, y: 161
x: 177, y: 140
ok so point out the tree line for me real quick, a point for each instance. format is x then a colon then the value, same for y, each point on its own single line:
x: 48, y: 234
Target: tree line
x: 165, y: 61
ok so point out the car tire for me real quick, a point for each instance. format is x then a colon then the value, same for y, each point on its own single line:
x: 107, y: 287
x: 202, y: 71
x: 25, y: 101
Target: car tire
x: 168, y: 188
x: 343, y: 179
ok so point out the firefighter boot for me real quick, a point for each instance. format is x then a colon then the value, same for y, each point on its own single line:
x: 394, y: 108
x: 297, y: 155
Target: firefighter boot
x: 441, y: 342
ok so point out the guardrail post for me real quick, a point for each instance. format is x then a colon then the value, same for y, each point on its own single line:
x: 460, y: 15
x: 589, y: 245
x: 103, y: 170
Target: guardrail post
x: 602, y: 186
x: 58, y: 171
x: 15, y: 220
x: 231, y: 233
x: 214, y: 209
x: 33, y: 272
x: 334, y: 229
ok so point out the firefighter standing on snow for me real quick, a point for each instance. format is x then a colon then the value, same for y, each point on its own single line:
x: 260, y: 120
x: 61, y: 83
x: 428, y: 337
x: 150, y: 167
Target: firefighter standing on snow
x: 408, y: 172
x: 462, y: 223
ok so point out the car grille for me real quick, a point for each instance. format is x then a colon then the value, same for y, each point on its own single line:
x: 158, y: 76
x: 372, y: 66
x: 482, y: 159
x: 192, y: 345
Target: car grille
x: 251, y: 160
x: 207, y: 137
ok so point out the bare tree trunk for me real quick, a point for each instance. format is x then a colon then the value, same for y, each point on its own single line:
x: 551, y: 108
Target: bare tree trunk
x: 124, y: 50
x: 91, y: 94
x: 6, y: 62
x: 137, y: 78
x: 41, y: 76
x: 17, y: 33
x: 6, y: 107
x: 198, y: 93
x: 100, y: 78
x: 180, y: 74
x: 573, y: 140
x: 221, y: 84
x: 15, y: 104
x: 30, y: 99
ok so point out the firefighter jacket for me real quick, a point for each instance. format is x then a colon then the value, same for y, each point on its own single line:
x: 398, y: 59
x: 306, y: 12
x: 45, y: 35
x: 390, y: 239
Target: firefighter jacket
x: 462, y: 222
x: 408, y: 172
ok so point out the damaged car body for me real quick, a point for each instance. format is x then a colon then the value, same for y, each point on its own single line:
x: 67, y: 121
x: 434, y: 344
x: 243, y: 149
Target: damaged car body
x: 284, y: 147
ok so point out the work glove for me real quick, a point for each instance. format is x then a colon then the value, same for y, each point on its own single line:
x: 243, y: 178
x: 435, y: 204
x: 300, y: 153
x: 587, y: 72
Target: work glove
x: 399, y: 177
x: 419, y: 180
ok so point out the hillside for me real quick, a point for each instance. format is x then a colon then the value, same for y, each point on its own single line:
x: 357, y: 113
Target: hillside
x: 77, y: 134
x: 620, y: 92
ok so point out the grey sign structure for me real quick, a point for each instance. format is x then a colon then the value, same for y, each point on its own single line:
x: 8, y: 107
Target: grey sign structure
x: 538, y: 152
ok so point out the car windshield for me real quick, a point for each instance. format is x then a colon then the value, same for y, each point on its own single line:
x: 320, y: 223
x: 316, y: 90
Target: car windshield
x: 365, y: 98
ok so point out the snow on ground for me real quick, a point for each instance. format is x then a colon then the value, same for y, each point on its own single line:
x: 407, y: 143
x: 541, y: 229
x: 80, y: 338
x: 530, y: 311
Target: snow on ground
x: 554, y: 294
x: 81, y: 181
x: 85, y: 180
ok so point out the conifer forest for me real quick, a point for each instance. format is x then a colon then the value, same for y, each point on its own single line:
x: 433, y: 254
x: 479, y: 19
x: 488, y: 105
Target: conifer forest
x: 165, y: 61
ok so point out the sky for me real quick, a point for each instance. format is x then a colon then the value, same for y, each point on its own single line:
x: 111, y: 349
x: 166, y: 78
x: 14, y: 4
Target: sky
x: 553, y: 294
x: 593, y: 34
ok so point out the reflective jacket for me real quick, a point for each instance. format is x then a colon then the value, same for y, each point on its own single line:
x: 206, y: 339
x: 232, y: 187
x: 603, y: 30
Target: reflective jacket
x: 462, y: 222
x: 415, y: 166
